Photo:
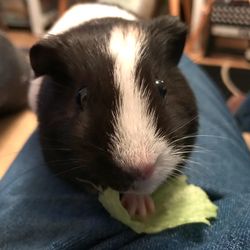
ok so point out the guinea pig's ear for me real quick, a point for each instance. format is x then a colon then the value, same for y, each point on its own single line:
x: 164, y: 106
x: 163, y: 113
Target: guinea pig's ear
x: 45, y: 59
x: 168, y: 35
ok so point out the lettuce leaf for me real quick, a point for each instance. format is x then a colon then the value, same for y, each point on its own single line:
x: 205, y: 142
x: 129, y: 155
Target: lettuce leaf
x: 177, y: 203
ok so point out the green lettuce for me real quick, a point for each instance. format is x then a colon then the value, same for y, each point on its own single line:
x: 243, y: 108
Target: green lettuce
x: 176, y: 202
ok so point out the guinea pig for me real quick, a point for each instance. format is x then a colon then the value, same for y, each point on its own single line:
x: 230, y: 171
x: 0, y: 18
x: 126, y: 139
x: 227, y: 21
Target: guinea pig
x: 113, y: 107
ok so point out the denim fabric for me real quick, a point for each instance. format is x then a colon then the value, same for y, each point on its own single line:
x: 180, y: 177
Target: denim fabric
x: 40, y: 211
x: 243, y: 115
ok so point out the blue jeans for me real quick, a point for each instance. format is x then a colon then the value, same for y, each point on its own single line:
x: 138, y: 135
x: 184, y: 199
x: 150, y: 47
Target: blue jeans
x: 243, y: 115
x: 40, y: 211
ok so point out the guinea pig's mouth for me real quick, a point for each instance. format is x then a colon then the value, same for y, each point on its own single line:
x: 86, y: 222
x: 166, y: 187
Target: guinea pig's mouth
x: 147, y: 187
x: 142, y: 188
x: 164, y: 169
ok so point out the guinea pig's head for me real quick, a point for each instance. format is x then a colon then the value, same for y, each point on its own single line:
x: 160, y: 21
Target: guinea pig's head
x: 114, y: 109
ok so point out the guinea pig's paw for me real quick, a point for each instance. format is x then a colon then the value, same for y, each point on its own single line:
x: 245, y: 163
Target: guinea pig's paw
x: 141, y: 206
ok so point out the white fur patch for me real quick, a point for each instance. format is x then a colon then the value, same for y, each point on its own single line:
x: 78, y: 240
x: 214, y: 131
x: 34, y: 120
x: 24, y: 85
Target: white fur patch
x: 76, y: 15
x: 81, y: 13
x: 134, y: 125
x: 33, y: 92
x: 136, y: 142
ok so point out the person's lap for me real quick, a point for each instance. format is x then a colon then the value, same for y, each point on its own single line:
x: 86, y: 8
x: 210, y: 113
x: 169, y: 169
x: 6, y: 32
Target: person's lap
x: 242, y: 115
x: 40, y: 211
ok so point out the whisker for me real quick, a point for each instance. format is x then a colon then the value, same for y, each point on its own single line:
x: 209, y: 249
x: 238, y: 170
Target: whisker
x: 56, y: 149
x: 188, y: 151
x: 191, y: 161
x: 196, y: 166
x: 64, y: 160
x: 82, y: 144
x: 233, y: 142
x: 183, y: 125
x: 194, y: 146
x: 68, y: 170
x: 91, y: 145
x: 99, y: 189
x: 49, y: 139
x: 203, y: 135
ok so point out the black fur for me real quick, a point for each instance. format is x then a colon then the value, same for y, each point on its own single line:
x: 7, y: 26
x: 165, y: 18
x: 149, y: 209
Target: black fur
x: 75, y: 141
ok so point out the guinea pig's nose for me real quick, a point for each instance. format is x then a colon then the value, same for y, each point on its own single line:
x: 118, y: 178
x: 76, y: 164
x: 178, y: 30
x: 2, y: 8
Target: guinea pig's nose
x: 146, y: 171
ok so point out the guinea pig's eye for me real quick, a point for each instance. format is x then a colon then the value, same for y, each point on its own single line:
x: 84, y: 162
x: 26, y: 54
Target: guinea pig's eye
x: 81, y: 97
x: 161, y: 87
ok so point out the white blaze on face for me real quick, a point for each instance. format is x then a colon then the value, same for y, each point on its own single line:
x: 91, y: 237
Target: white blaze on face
x: 136, y: 142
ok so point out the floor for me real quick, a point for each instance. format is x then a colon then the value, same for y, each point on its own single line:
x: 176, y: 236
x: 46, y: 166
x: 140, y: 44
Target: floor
x: 22, y: 39
x: 14, y: 132
x: 16, y: 129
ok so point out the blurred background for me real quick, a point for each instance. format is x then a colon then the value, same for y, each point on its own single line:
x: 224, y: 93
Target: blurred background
x: 218, y: 40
